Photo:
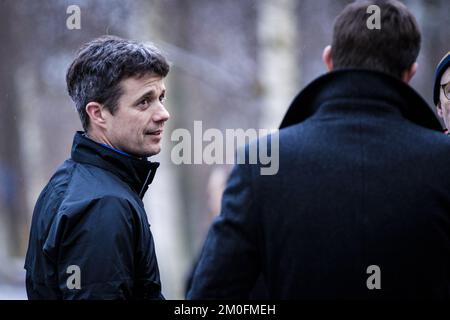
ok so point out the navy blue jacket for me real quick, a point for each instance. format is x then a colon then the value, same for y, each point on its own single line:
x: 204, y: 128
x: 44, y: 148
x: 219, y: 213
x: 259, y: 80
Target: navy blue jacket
x: 363, y: 180
x: 91, y: 216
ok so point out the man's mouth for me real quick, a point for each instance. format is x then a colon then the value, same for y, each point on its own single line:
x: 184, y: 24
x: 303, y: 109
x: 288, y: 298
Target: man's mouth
x: 154, y: 133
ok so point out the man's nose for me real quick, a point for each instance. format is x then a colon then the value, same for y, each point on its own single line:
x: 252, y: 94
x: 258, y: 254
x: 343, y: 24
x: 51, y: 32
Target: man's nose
x: 161, y: 115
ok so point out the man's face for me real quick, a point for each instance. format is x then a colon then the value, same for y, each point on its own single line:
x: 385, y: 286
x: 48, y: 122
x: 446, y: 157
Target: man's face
x: 444, y: 106
x: 137, y: 124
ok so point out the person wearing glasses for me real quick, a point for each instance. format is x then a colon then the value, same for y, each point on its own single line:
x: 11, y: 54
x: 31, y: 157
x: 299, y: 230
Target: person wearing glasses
x: 441, y: 94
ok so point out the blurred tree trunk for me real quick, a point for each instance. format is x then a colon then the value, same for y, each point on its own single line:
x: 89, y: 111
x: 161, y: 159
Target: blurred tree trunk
x: 12, y: 179
x: 278, y: 40
x: 212, y: 46
x: 163, y: 201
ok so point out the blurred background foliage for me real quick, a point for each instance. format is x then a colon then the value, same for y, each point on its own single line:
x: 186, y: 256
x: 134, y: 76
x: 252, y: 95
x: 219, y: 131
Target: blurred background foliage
x: 235, y: 64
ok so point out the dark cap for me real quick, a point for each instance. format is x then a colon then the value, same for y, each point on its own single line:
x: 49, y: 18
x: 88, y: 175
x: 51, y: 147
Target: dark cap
x: 442, y: 66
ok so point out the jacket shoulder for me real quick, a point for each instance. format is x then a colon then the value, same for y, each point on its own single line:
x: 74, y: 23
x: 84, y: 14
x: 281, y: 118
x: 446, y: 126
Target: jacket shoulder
x: 89, y: 182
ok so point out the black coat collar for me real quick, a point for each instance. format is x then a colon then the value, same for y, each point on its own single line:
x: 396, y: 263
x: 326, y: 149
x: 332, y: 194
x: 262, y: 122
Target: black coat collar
x: 361, y: 84
x: 137, y: 173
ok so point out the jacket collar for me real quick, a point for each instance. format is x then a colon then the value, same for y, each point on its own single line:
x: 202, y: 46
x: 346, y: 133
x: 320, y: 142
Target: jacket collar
x: 137, y: 173
x: 358, y: 84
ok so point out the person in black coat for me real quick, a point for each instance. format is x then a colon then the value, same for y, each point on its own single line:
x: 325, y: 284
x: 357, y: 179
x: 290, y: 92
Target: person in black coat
x: 90, y: 237
x: 360, y: 206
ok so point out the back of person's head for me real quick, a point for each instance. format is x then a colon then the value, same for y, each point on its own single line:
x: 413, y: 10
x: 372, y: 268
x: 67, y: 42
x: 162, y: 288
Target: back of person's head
x: 392, y: 49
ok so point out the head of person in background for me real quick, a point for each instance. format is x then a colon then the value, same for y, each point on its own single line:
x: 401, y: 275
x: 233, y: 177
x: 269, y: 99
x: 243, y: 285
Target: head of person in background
x: 441, y: 90
x: 118, y: 89
x: 392, y: 50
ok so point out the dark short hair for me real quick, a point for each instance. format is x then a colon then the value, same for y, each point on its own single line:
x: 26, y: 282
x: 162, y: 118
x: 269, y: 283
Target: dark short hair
x: 101, y: 64
x: 391, y: 49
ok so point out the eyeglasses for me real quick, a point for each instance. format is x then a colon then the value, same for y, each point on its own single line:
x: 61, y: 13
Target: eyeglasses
x: 446, y: 88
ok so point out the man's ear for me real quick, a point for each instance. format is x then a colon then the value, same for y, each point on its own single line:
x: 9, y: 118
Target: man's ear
x: 439, y: 110
x: 327, y: 58
x: 409, y: 74
x: 96, y: 114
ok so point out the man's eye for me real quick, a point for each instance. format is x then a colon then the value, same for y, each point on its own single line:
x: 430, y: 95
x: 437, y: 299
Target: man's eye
x: 162, y: 99
x: 144, y: 101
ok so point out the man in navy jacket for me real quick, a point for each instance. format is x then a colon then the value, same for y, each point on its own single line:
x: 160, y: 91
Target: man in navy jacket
x: 90, y: 237
x: 360, y: 206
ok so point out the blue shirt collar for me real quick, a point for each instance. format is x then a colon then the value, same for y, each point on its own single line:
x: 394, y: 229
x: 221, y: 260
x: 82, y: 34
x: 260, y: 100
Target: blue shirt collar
x: 117, y: 150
